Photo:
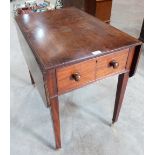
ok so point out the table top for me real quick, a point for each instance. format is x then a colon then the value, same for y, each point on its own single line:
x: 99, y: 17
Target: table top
x: 70, y: 35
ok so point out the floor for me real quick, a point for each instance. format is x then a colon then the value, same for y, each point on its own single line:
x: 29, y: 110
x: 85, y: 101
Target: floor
x: 85, y: 113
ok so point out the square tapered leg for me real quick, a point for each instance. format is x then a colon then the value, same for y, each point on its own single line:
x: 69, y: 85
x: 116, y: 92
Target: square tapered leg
x: 54, y: 109
x: 121, y: 87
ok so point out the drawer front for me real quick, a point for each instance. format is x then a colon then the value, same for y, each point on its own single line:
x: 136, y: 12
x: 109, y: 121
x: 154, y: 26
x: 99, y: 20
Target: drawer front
x: 76, y: 75
x: 111, y: 64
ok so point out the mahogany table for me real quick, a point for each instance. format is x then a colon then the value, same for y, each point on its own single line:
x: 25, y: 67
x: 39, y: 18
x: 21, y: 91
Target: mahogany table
x: 67, y: 49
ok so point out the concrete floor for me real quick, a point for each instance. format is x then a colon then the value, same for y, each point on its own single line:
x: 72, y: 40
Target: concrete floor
x: 85, y: 113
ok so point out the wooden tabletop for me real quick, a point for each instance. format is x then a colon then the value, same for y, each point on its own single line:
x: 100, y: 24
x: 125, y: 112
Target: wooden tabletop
x: 69, y: 35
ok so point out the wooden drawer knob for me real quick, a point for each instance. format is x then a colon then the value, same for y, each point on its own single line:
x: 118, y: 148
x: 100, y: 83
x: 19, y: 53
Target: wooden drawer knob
x: 76, y: 76
x: 114, y: 64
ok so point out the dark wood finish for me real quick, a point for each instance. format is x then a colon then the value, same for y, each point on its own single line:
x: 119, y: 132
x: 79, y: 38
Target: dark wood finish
x: 65, y: 79
x: 32, y: 81
x: 90, y: 7
x: 89, y: 71
x: 72, y: 36
x: 99, y: 8
x: 103, y: 10
x: 54, y: 108
x: 67, y: 49
x: 33, y: 66
x: 50, y: 83
x: 74, y: 3
x: 141, y: 37
x: 51, y: 90
x: 135, y: 60
x: 104, y: 67
x: 121, y: 87
x: 130, y: 58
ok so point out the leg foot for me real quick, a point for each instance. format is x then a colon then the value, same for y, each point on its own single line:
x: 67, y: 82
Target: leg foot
x: 112, y: 125
x: 32, y: 80
x: 56, y: 121
x: 121, y: 87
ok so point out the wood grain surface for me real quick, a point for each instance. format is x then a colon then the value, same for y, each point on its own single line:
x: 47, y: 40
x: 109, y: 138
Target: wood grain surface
x: 121, y: 87
x: 69, y: 35
x: 54, y: 109
x: 86, y: 70
x: 60, y: 55
x: 103, y: 67
x: 91, y: 70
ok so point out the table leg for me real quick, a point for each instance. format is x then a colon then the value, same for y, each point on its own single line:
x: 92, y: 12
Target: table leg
x: 56, y: 121
x: 121, y: 87
x: 32, y: 80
